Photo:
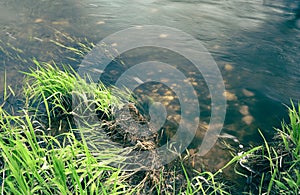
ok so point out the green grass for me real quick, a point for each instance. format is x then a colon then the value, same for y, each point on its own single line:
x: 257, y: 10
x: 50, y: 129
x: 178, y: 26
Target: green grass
x: 35, y: 163
x: 62, y: 94
x: 39, y: 157
x: 277, y: 163
x: 51, y: 83
x: 206, y: 183
x: 285, y: 175
x: 38, y: 162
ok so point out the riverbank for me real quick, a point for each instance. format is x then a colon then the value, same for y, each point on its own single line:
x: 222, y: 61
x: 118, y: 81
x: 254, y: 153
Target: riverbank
x: 43, y: 151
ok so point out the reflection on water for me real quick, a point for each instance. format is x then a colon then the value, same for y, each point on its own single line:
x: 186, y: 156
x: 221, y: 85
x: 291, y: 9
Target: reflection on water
x: 255, y: 44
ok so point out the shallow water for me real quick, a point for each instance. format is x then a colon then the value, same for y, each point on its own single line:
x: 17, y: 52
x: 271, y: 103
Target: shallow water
x: 255, y: 45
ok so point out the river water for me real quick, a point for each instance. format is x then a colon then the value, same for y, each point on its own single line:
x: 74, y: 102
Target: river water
x: 255, y: 44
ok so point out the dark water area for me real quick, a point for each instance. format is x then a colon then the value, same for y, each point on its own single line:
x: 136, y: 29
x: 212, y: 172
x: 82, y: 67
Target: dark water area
x: 255, y: 44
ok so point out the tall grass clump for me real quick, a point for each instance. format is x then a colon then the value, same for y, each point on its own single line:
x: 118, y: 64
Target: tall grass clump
x: 32, y: 161
x: 63, y: 94
x: 207, y: 183
x: 35, y: 163
x: 38, y: 164
x: 274, y: 169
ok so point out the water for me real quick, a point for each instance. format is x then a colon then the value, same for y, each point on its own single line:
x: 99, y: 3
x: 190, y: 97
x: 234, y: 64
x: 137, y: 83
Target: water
x: 255, y: 44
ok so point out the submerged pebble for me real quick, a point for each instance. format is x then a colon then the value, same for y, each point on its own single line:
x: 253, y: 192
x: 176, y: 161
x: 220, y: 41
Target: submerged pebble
x: 248, y: 119
x: 163, y: 35
x: 216, y: 46
x: 247, y: 93
x: 244, y: 110
x: 229, y: 96
x: 38, y: 20
x: 228, y: 67
x: 100, y: 22
x: 169, y: 98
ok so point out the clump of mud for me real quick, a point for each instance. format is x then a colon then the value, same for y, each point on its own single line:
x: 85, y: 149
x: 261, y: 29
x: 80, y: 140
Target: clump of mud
x: 130, y: 127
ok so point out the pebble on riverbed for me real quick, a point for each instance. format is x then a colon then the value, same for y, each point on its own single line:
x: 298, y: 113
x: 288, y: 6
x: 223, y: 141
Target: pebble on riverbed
x: 228, y: 67
x: 244, y: 110
x: 229, y: 96
x: 100, y: 22
x: 248, y: 119
x: 248, y: 93
x: 38, y: 20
